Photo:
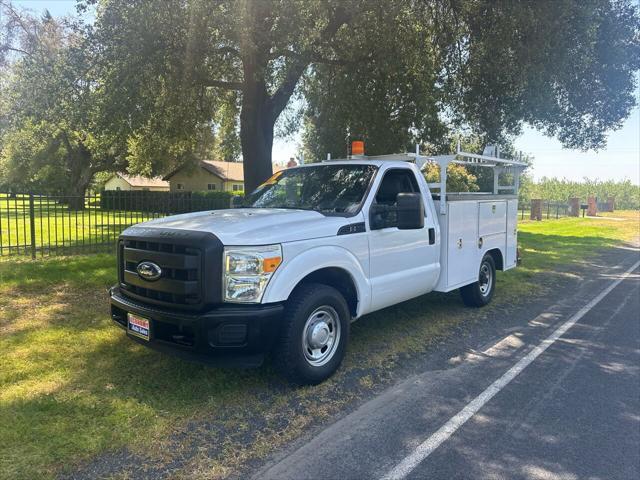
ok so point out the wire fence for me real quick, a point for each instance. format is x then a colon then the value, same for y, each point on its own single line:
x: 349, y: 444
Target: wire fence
x: 41, y: 225
x: 550, y: 210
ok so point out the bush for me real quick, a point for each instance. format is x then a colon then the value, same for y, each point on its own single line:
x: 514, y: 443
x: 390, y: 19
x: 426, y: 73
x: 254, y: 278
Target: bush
x: 163, y: 202
x: 459, y: 179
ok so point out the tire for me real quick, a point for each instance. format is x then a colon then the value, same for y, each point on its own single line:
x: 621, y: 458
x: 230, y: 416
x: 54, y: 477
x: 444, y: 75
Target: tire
x: 314, y: 336
x: 480, y: 293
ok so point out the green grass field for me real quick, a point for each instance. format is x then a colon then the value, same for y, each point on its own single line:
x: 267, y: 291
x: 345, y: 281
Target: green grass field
x: 73, y: 386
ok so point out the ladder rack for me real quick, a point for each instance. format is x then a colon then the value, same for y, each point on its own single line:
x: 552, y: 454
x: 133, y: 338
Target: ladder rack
x: 499, y: 165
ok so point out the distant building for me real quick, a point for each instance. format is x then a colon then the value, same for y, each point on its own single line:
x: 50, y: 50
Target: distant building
x: 121, y: 181
x: 210, y: 175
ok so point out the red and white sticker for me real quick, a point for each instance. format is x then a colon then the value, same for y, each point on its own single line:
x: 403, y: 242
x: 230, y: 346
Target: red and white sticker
x: 138, y: 326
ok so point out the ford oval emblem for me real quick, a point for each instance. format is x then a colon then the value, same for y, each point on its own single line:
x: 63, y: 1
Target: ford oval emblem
x: 149, y: 271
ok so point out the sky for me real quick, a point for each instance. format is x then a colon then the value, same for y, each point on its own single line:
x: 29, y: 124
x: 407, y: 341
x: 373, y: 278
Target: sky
x: 619, y: 160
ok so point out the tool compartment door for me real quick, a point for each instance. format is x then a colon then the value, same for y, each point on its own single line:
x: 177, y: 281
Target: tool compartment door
x: 512, y: 234
x: 462, y: 248
x: 492, y: 217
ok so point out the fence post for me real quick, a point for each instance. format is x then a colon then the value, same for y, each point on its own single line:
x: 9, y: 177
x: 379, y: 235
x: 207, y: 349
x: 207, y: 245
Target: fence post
x: 611, y: 204
x: 32, y: 226
x: 592, y: 206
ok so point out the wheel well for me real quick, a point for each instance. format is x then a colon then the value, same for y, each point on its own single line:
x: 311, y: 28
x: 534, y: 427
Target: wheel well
x: 497, y: 258
x: 338, y: 279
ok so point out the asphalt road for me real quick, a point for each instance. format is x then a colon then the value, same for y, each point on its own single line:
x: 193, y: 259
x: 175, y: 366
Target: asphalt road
x: 571, y: 413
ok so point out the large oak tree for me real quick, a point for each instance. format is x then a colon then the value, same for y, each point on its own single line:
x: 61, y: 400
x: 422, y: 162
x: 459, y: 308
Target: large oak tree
x: 391, y: 71
x: 566, y: 67
x: 169, y: 63
x: 155, y: 80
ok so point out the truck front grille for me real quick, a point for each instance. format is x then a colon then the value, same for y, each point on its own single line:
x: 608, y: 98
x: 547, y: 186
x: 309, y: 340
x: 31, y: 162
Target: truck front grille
x: 180, y: 280
x: 186, y: 262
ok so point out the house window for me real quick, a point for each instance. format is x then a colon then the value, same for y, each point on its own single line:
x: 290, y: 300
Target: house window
x: 237, y: 187
x: 211, y: 186
x: 118, y: 188
x: 180, y: 186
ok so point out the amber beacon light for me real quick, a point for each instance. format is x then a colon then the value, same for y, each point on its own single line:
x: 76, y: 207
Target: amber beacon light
x: 357, y: 147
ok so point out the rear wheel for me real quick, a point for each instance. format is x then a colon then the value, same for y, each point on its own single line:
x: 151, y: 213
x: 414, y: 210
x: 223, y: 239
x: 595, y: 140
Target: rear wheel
x: 479, y: 293
x: 314, y: 336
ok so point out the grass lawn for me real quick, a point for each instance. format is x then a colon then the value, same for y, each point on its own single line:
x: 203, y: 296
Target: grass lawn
x: 73, y: 386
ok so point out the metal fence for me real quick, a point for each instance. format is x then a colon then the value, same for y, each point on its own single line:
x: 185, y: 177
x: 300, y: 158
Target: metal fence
x: 550, y: 210
x: 40, y: 225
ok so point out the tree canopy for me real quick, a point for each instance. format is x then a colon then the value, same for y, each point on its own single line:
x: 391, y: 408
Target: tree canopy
x: 170, y: 65
x: 51, y: 117
x: 152, y: 84
x: 565, y: 67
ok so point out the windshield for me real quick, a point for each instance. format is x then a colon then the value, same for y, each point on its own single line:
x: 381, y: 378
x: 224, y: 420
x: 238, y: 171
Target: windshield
x: 331, y: 189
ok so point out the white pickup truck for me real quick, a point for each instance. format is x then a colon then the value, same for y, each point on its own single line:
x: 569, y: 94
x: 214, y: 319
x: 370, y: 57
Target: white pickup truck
x: 316, y: 247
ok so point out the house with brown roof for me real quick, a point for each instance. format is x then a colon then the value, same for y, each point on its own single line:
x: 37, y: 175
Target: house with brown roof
x: 122, y: 181
x: 209, y: 175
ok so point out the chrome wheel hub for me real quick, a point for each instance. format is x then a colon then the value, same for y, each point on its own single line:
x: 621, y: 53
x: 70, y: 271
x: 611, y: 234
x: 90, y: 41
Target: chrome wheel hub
x: 321, y: 335
x: 486, y: 279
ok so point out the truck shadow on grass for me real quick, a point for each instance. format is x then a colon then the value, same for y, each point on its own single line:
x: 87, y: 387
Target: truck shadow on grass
x: 73, y: 386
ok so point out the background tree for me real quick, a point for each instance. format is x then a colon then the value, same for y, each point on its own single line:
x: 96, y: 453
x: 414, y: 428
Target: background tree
x: 626, y: 194
x: 393, y: 72
x: 190, y: 52
x: 459, y: 179
x: 566, y: 67
x: 50, y: 108
x: 159, y: 83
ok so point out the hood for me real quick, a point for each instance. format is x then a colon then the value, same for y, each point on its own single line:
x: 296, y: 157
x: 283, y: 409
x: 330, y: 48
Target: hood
x: 255, y: 226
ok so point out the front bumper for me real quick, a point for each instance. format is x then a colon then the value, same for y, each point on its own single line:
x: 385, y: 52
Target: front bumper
x: 231, y: 335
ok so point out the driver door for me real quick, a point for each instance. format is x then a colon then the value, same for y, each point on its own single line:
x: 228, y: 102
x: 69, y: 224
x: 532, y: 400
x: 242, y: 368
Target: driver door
x: 403, y: 263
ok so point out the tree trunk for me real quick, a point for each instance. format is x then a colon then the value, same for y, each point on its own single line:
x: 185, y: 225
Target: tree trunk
x: 256, y: 127
x: 80, y: 172
x: 256, y: 136
x: 80, y: 179
x: 77, y: 194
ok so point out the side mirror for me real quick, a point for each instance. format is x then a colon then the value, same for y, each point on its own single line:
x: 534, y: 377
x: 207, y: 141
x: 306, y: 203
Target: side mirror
x: 410, y: 211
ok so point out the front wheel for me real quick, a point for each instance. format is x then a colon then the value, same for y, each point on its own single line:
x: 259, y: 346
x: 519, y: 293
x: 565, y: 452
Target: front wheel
x: 314, y: 336
x: 479, y: 293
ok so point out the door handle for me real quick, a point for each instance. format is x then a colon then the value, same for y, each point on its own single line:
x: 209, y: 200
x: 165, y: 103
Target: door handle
x: 432, y: 236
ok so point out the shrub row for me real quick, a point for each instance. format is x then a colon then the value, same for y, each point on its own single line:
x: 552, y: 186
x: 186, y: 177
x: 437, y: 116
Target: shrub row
x: 164, y: 202
x: 626, y: 193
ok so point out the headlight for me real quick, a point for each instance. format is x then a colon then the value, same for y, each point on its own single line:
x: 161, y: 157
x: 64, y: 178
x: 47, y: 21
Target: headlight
x: 247, y: 271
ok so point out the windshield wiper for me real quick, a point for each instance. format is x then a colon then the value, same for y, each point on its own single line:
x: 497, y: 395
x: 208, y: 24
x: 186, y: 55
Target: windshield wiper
x: 285, y: 207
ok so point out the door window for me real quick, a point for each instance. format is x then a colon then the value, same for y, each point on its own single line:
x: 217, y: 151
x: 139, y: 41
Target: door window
x: 395, y: 181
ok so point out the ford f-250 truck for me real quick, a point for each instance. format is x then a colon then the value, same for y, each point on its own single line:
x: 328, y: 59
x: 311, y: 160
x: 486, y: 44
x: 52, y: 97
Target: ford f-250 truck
x: 316, y: 247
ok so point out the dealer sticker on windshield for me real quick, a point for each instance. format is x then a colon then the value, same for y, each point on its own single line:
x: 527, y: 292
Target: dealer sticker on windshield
x: 138, y: 326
